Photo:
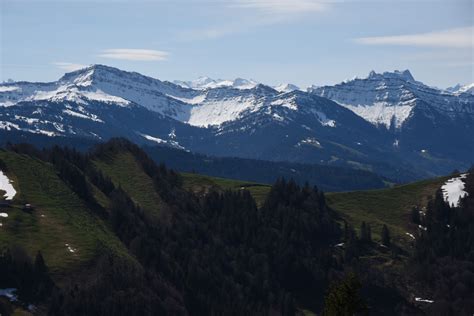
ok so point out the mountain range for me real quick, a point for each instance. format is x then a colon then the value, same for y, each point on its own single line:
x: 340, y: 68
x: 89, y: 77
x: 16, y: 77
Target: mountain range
x: 387, y: 123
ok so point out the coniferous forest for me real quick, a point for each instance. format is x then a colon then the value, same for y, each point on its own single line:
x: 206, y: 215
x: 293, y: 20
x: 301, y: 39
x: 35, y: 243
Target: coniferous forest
x: 444, y: 253
x: 221, y: 254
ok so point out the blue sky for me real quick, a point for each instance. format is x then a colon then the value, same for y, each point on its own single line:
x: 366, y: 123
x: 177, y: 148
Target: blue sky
x: 272, y: 41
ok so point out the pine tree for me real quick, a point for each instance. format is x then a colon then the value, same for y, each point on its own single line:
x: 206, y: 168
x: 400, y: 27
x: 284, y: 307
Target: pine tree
x: 40, y: 266
x: 363, y: 232
x: 44, y: 284
x: 351, y: 249
x: 344, y: 299
x: 385, y: 236
x: 346, y: 232
x: 415, y: 216
x: 369, y: 233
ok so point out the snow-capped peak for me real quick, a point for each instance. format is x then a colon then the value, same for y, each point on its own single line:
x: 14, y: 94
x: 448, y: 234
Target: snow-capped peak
x: 387, y: 98
x: 240, y: 83
x: 404, y: 75
x: 203, y: 83
x: 457, y: 89
x: 286, y: 87
x: 81, y: 77
x: 467, y: 89
x: 105, y: 84
x: 454, y: 88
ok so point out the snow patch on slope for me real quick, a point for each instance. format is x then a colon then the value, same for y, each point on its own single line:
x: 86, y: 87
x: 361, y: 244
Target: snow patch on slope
x: 324, y: 120
x: 8, y: 88
x: 160, y: 141
x: 310, y: 141
x: 382, y: 113
x: 92, y: 117
x: 419, y: 299
x: 287, y: 103
x: 453, y: 190
x: 6, y: 185
x: 216, y: 112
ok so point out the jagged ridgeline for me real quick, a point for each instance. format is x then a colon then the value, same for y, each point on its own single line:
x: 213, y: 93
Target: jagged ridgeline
x: 120, y: 235
x: 386, y: 123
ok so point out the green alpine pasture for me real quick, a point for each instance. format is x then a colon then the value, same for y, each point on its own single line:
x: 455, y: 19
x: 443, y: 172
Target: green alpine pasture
x: 390, y: 206
x: 60, y: 226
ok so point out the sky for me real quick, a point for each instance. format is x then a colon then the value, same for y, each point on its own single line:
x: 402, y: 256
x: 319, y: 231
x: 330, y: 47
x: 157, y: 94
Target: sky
x: 304, y: 42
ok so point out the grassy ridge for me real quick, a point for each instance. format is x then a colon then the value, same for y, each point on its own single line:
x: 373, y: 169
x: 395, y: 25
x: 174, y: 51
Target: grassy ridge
x: 124, y: 171
x: 60, y: 217
x: 200, y: 184
x: 386, y: 206
x: 390, y: 206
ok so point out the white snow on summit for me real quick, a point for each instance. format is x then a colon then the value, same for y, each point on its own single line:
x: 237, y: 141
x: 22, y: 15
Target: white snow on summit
x: 466, y: 89
x: 286, y: 87
x: 381, y: 99
x: 388, y: 98
x: 454, y: 89
x: 203, y: 83
x: 453, y: 190
x: 385, y: 99
x: 458, y: 89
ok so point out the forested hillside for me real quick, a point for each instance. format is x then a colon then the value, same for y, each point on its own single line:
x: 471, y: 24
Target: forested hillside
x: 217, y: 254
x: 326, y: 177
x: 110, y: 232
x: 444, y: 252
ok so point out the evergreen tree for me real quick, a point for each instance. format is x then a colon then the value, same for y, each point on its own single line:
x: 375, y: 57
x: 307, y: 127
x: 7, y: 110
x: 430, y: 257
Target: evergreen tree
x: 346, y: 232
x: 385, y: 236
x: 365, y: 233
x: 351, y: 249
x: 415, y: 216
x: 369, y: 233
x: 44, y: 284
x: 40, y: 266
x: 343, y: 298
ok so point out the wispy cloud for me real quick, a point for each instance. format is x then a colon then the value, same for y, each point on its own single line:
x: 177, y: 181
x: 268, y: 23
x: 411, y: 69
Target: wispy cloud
x: 219, y: 31
x: 208, y: 33
x: 457, y: 38
x: 283, y: 6
x: 448, y: 57
x: 134, y: 54
x: 68, y: 66
x: 249, y: 15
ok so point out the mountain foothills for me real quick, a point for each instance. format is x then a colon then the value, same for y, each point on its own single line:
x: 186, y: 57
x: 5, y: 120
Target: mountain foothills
x: 109, y: 232
x: 386, y: 123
